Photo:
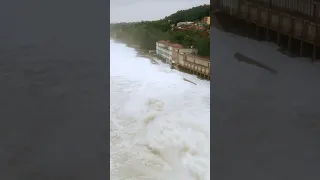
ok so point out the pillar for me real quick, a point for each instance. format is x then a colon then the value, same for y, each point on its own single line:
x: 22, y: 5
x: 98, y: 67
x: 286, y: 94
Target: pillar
x: 257, y: 31
x: 278, y: 38
x: 301, y: 48
x: 314, y: 54
x: 290, y: 44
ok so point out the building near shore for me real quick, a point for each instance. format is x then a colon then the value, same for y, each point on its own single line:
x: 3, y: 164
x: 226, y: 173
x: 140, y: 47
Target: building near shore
x: 194, y: 64
x: 162, y: 49
x: 169, y: 51
x: 177, y: 51
x: 184, y: 58
x: 165, y: 49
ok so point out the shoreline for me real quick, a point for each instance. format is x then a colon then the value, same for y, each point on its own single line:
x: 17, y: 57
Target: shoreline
x: 144, y: 53
x: 153, y: 61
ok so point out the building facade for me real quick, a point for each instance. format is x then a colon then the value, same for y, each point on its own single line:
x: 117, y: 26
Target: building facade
x: 194, y: 64
x: 162, y: 50
x: 199, y: 60
x: 176, y: 51
x: 169, y: 51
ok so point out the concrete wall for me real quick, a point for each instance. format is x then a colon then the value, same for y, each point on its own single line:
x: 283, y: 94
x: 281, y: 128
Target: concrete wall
x: 181, y: 59
x: 163, y: 51
x: 174, y: 52
x: 198, y: 60
x: 194, y: 64
x: 188, y: 51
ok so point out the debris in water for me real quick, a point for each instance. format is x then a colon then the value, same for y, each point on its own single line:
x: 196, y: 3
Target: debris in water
x: 189, y: 81
x: 242, y: 58
x: 153, y: 60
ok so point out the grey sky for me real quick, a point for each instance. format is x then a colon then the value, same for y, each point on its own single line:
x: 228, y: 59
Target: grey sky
x: 137, y: 10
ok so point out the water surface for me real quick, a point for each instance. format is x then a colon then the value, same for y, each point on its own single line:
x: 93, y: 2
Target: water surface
x: 160, y: 124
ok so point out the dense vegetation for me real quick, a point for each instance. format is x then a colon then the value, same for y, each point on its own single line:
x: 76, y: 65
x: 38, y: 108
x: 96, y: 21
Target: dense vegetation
x: 193, y: 14
x: 145, y: 34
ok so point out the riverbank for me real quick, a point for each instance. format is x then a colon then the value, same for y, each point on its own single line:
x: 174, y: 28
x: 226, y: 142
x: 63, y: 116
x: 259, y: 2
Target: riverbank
x: 155, y: 59
x: 189, y: 67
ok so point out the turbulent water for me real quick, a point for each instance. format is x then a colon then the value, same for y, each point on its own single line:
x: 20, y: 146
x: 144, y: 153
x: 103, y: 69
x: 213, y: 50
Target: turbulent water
x: 160, y: 124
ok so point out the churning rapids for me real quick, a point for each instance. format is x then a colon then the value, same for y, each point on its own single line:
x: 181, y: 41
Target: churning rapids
x: 160, y: 124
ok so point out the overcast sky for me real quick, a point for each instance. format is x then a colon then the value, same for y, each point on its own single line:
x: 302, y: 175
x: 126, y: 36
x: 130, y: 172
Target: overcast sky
x: 138, y: 10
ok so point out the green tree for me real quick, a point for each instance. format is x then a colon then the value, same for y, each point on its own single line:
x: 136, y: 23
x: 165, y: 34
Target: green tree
x: 145, y: 34
x: 203, y: 46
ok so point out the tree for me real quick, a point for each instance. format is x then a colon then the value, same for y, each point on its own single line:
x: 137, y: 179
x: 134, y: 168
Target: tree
x: 203, y: 46
x: 145, y: 34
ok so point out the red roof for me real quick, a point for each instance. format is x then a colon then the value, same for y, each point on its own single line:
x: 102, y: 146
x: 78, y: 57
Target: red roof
x: 163, y: 41
x: 168, y: 43
x: 176, y: 45
x: 199, y: 57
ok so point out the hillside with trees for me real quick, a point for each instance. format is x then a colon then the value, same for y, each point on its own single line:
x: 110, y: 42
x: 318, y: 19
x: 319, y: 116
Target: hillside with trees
x: 145, y: 34
x: 192, y: 14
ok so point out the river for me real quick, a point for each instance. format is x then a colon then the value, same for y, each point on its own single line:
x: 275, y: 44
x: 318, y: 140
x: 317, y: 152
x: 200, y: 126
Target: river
x: 160, y: 124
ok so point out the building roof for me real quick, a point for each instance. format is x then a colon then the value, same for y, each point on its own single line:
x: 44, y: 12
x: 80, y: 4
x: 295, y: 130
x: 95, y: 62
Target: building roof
x: 163, y: 41
x: 168, y: 43
x: 199, y: 57
x: 176, y: 45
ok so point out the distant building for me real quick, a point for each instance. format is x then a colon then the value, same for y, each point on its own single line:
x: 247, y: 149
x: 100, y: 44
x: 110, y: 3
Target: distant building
x: 203, y: 30
x: 206, y: 20
x: 191, y: 27
x: 184, y: 23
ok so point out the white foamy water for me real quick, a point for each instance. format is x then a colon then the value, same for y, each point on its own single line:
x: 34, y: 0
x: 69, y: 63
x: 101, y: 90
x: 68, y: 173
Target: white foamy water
x: 160, y: 124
